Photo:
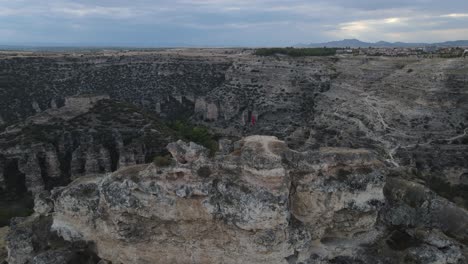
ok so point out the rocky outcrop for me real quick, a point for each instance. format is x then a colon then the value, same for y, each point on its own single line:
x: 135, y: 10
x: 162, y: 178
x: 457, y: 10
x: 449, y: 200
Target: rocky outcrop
x: 3, y: 251
x: 402, y: 107
x: 144, y: 79
x: 30, y: 240
x: 89, y: 135
x: 384, y: 99
x: 262, y: 203
x: 413, y: 205
x: 347, y: 123
x: 422, y: 226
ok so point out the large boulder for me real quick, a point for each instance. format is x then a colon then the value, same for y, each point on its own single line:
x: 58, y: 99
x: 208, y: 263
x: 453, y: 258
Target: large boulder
x: 31, y: 241
x: 261, y: 203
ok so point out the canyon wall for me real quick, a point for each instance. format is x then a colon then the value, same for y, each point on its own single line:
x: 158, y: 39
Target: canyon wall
x: 369, y: 165
x: 412, y: 110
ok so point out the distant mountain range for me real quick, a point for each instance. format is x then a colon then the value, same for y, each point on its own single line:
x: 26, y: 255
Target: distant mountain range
x: 355, y: 43
x: 352, y: 43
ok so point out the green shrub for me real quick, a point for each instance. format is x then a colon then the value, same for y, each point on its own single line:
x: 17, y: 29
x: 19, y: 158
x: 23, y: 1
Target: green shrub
x: 162, y: 161
x: 296, y: 52
x: 18, y: 208
x: 7, y: 213
x: 445, y: 189
x: 450, y: 55
x: 204, y: 172
x: 198, y: 134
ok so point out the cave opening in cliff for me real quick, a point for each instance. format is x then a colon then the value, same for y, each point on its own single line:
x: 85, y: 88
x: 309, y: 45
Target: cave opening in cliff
x: 42, y: 165
x: 15, y: 201
x: 15, y: 180
x: 114, y: 156
x: 49, y: 182
x: 65, y: 165
x: 249, y: 117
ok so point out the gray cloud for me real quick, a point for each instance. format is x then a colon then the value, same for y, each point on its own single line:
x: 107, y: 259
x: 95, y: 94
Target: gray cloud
x: 230, y: 22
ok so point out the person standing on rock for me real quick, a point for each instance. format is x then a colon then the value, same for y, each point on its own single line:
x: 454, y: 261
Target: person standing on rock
x: 253, y: 120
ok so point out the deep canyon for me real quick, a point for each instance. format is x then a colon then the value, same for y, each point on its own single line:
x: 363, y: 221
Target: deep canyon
x: 350, y: 159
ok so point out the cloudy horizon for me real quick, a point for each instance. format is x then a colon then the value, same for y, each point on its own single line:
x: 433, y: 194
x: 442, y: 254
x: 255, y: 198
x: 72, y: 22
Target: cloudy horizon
x: 229, y: 22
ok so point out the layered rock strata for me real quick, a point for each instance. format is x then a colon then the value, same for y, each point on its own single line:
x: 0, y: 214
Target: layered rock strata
x: 259, y: 203
x: 262, y: 203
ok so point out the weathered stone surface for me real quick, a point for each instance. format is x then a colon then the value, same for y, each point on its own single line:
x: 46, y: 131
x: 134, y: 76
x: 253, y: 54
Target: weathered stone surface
x: 413, y: 110
x: 30, y: 241
x: 24, y: 235
x: 3, y: 251
x: 352, y: 119
x: 226, y: 146
x: 82, y: 139
x: 187, y: 152
x: 245, y: 210
x: 54, y: 257
x: 43, y: 205
x: 413, y: 205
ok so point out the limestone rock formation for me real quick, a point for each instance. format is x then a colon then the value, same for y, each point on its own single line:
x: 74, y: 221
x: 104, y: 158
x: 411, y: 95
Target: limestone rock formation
x: 30, y: 240
x: 90, y: 135
x: 262, y: 203
x: 3, y: 251
x: 411, y: 109
x: 370, y: 165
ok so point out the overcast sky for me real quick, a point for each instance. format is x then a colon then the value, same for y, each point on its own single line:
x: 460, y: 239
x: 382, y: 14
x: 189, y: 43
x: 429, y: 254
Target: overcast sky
x: 229, y: 22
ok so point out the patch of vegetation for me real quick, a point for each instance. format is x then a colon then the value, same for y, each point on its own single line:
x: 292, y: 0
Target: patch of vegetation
x: 449, y: 191
x: 43, y: 133
x: 343, y: 174
x: 204, y: 172
x: 19, y: 208
x: 163, y: 161
x: 400, y: 240
x: 198, y: 134
x: 450, y: 56
x: 400, y: 66
x: 3, y: 250
x: 296, y: 52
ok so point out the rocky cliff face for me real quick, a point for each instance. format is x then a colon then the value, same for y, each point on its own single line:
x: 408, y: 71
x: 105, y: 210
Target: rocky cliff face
x: 389, y: 103
x: 227, y: 86
x: 260, y: 203
x: 89, y: 135
x: 373, y: 167
x: 156, y: 80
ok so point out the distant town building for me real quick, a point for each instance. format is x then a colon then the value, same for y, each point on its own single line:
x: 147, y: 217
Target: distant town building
x: 431, y: 51
x: 344, y: 51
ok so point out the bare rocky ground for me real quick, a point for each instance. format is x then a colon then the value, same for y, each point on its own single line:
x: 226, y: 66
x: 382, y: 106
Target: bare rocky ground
x: 3, y: 251
x: 369, y: 164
